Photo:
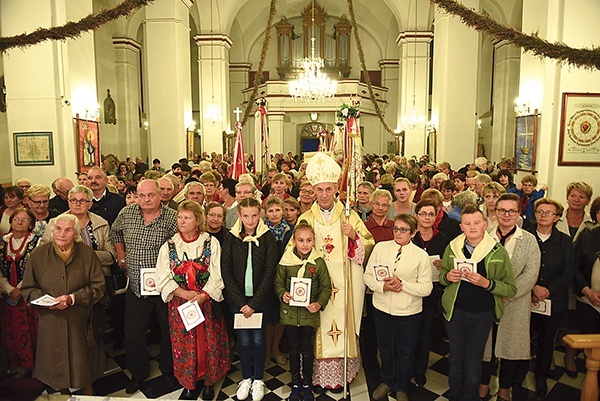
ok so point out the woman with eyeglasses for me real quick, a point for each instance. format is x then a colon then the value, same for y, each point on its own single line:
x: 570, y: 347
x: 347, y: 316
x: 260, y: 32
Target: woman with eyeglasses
x: 13, y: 199
x: 38, y: 199
x: 511, y: 345
x: 434, y: 243
x: 17, y: 319
x: 399, y: 273
x: 555, y: 276
x: 94, y: 229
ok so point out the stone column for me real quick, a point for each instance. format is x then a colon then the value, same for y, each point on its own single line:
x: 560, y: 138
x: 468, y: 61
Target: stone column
x: 413, y: 85
x: 168, y: 78
x: 390, y: 78
x: 455, y: 60
x: 46, y: 84
x: 127, y: 62
x: 213, y: 56
x: 506, y: 89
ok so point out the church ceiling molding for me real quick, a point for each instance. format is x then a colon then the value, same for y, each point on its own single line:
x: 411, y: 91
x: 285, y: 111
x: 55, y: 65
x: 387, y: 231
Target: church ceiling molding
x: 71, y: 29
x: 584, y: 57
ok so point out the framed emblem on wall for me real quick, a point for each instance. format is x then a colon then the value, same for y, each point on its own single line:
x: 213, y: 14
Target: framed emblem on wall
x: 580, y: 130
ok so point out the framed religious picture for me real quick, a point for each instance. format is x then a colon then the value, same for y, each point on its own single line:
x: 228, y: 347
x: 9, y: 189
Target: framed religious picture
x: 33, y: 148
x: 88, y: 144
x: 580, y: 130
x: 526, y: 128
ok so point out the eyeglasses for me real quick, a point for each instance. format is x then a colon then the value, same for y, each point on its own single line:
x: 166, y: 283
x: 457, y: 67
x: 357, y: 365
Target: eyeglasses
x: 424, y: 214
x: 376, y: 204
x: 80, y: 201
x: 545, y: 213
x: 305, y: 191
x: 21, y: 220
x: 510, y: 212
x: 214, y: 215
x: 402, y: 230
x: 39, y: 203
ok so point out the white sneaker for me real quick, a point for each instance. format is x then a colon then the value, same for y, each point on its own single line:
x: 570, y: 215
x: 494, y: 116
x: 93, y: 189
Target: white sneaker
x: 244, y: 389
x: 258, y: 390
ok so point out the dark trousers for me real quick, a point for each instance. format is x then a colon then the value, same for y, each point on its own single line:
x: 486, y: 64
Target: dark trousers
x: 252, y: 346
x: 589, y: 318
x: 467, y: 335
x: 137, y: 319
x: 512, y: 371
x: 396, y: 340
x: 430, y: 308
x: 368, y: 336
x: 544, y: 327
x: 301, y: 341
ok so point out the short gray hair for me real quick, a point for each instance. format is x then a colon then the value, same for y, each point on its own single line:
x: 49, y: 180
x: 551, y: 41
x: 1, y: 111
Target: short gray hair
x: 464, y: 198
x: 81, y: 189
x: 66, y: 217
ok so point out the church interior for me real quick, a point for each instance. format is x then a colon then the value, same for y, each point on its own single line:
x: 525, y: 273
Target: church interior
x: 172, y: 78
x: 163, y: 65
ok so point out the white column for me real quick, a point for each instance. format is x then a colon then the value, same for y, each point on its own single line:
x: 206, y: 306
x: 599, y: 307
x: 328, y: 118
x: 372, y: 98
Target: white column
x: 506, y: 89
x: 275, y: 123
x: 455, y: 60
x: 390, y: 78
x: 213, y: 56
x: 127, y: 62
x: 168, y: 78
x: 38, y: 83
x: 413, y: 85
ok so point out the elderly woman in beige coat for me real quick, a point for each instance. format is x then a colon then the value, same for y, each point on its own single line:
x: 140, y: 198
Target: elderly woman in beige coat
x: 512, y: 342
x: 68, y: 271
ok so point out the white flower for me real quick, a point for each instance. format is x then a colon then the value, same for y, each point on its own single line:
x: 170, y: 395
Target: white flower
x: 345, y: 112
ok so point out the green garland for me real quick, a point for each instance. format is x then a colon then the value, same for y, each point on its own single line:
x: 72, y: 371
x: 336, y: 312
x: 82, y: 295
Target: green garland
x: 586, y: 58
x: 363, y: 65
x: 263, y: 54
x: 72, y: 29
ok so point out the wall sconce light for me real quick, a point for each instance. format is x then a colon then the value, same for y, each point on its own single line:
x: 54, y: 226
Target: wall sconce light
x: 522, y: 107
x: 479, y: 123
x: 430, y: 127
x: 314, y: 116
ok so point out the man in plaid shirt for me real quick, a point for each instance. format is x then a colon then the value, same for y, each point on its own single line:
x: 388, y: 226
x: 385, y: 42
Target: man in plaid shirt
x: 138, y: 233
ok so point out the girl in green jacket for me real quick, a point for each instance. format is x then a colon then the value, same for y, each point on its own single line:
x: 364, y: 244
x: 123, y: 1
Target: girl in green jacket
x: 302, y: 261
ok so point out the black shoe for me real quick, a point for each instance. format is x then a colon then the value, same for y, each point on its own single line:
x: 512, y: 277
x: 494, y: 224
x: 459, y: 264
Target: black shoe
x: 318, y: 390
x: 541, y: 387
x: 133, y: 386
x: 208, y: 393
x: 338, y: 390
x: 420, y: 380
x: 189, y: 394
x: 171, y: 381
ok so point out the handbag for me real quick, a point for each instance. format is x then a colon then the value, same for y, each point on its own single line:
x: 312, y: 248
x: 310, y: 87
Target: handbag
x: 117, y: 282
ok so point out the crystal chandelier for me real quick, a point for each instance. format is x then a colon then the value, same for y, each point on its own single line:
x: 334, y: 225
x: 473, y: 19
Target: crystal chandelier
x: 312, y: 83
x: 213, y: 113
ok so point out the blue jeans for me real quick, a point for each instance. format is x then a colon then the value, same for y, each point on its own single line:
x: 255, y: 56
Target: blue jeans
x: 396, y: 340
x: 467, y: 333
x: 252, y: 346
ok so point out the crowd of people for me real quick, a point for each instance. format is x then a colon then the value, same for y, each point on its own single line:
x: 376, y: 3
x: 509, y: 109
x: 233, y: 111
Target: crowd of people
x: 284, y: 267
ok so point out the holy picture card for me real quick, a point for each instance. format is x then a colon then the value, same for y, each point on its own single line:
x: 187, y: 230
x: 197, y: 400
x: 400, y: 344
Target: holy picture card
x: 381, y: 272
x: 465, y: 266
x: 191, y: 314
x: 148, y: 281
x: 300, y: 291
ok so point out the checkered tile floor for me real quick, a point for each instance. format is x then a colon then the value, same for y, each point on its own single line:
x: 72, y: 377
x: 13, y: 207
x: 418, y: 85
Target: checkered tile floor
x: 112, y: 385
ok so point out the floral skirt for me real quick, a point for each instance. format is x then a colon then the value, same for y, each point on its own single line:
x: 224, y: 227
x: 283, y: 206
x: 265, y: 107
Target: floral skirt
x: 203, y: 352
x: 18, y: 333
